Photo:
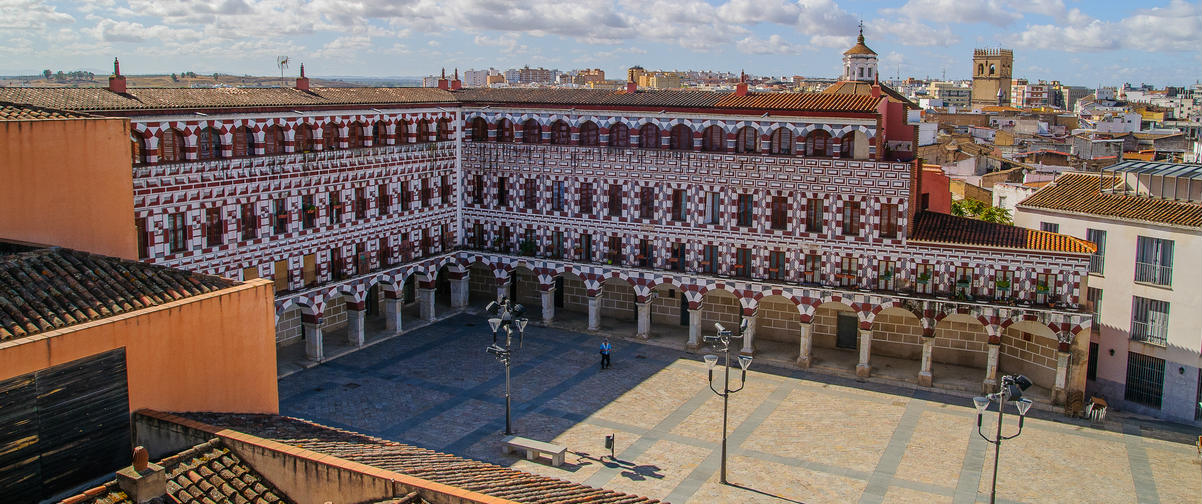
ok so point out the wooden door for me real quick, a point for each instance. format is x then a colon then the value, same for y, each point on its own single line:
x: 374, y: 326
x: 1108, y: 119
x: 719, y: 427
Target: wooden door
x: 847, y: 331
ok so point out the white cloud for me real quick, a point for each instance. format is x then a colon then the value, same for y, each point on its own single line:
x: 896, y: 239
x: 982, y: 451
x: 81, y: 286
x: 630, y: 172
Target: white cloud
x: 30, y: 15
x: 957, y: 11
x: 773, y: 45
x: 109, y: 30
x: 1177, y: 27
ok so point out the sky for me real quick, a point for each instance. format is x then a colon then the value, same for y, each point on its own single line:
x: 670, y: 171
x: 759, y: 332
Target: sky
x: 1079, y: 42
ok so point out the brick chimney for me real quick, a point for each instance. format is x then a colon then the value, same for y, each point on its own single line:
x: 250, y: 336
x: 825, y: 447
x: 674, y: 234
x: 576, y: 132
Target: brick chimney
x: 117, y: 81
x: 456, y: 83
x: 741, y: 87
x: 143, y: 481
x: 443, y: 83
x: 302, y: 82
x: 631, y: 87
x: 876, y: 89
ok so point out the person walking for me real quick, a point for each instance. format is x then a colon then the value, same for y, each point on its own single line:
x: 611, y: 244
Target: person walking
x: 605, y: 348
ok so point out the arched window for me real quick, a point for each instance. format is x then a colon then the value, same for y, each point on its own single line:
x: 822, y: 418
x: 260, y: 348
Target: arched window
x: 354, y: 135
x: 423, y: 131
x: 504, y: 130
x: 479, y: 130
x: 244, y: 142
x: 400, y: 131
x: 273, y: 140
x: 818, y: 143
x: 330, y: 137
x: 171, y: 146
x: 980, y: 69
x: 208, y: 144
x: 619, y: 135
x: 532, y: 133
x: 681, y: 138
x: 590, y: 135
x: 747, y: 141
x: 137, y: 147
x: 561, y: 133
x: 848, y: 147
x: 379, y: 134
x: 782, y: 141
x: 992, y: 69
x: 302, y: 138
x: 649, y: 136
x: 442, y: 130
x: 713, y: 139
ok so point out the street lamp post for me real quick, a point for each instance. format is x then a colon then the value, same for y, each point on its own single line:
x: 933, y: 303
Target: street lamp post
x: 1011, y: 389
x: 721, y: 343
x: 506, y: 316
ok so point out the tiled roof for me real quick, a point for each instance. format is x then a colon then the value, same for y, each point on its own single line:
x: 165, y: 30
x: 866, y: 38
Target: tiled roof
x: 1081, y: 193
x: 860, y: 47
x: 944, y: 228
x: 430, y: 465
x: 861, y: 88
x: 50, y: 288
x: 24, y: 112
x: 98, y: 99
x: 205, y: 474
x: 666, y: 98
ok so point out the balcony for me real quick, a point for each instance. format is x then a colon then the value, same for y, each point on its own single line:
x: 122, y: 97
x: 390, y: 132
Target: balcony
x: 298, y: 163
x: 1150, y: 332
x: 1153, y: 273
x: 1095, y: 264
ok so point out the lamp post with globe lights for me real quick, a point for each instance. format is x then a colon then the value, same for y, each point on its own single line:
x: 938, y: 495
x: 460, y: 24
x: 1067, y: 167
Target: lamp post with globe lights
x: 506, y: 317
x: 721, y: 343
x: 1010, y: 390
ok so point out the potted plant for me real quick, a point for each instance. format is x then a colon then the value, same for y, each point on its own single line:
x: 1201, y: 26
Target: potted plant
x: 887, y: 275
x: 497, y: 243
x: 1041, y: 288
x: 310, y: 209
x: 924, y: 277
x: 1002, y: 284
x: 963, y: 282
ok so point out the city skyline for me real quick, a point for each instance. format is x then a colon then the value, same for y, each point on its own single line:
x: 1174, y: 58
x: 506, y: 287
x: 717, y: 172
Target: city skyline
x: 1103, y: 43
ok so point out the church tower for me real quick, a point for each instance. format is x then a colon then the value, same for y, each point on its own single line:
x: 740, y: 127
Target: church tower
x: 991, y: 72
x: 859, y: 62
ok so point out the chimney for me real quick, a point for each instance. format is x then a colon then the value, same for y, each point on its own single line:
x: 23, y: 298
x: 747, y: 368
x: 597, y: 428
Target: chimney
x: 302, y: 82
x: 142, y: 481
x: 741, y: 89
x: 117, y: 81
x: 443, y: 83
x: 876, y: 89
x: 631, y: 87
x: 456, y: 83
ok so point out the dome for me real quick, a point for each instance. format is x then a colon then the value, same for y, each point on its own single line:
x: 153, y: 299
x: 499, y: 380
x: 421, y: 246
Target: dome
x: 859, y: 48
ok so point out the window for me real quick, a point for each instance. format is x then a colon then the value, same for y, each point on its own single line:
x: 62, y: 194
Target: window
x: 557, y: 244
x: 676, y: 262
x: 442, y: 130
x: 282, y: 276
x: 589, y: 134
x: 208, y: 144
x: 1145, y: 379
x: 335, y: 208
x: 385, y: 252
x: 214, y: 227
x: 249, y: 222
x: 888, y: 220
x: 586, y: 248
x: 379, y: 136
x: 818, y: 143
x: 1154, y: 261
x: 1094, y: 297
x: 924, y: 278
x: 383, y: 200
x: 1003, y: 284
x: 273, y: 141
x: 744, y: 210
x: 143, y: 238
x: 649, y: 136
x: 336, y: 264
x: 782, y: 142
x: 813, y: 269
x: 532, y: 133
x: 776, y: 266
x: 561, y: 133
x: 1050, y: 227
x: 884, y: 274
x: 504, y: 131
x: 1044, y: 283
x: 502, y: 192
x: 244, y: 142
x: 615, y: 250
x: 851, y: 218
x: 478, y: 238
x: 329, y: 137
x: 848, y: 272
x: 280, y: 226
x: 815, y: 208
x: 586, y: 198
x: 302, y: 138
x: 619, y: 135
x: 1096, y: 261
x: 964, y: 281
x: 478, y: 190
x: 743, y: 262
x: 747, y: 141
x: 678, y: 204
x: 713, y: 139
x: 444, y: 190
x: 427, y: 193
x: 360, y: 204
x: 780, y: 212
x: 615, y: 200
x: 177, y: 229
x: 171, y: 146
x: 557, y: 195
x: 709, y: 259
x: 713, y: 210
x: 479, y: 130
x: 308, y: 212
x: 1149, y: 320
x: 406, y: 196
x: 646, y: 256
x: 681, y: 138
x: 646, y: 203
x: 423, y: 131
x: 137, y: 147
x: 530, y: 201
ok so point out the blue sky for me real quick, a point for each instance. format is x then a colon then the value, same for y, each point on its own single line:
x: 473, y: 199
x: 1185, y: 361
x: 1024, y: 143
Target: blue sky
x: 1078, y: 42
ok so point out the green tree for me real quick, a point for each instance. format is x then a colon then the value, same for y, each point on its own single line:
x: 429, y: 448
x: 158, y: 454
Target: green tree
x: 997, y: 215
x: 47, y: 73
x: 968, y: 208
x: 174, y: 78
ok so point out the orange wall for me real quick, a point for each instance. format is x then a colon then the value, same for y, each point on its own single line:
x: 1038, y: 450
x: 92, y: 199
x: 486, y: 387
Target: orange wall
x: 213, y: 352
x: 68, y: 182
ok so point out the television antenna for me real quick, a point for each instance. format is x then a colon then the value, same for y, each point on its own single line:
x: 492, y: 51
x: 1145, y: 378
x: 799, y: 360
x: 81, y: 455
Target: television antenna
x: 282, y: 63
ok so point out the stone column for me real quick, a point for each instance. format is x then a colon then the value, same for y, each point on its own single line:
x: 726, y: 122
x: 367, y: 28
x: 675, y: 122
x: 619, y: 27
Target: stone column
x: 989, y: 386
x: 805, y: 352
x: 924, y: 373
x: 459, y: 292
x: 503, y: 291
x: 1058, y: 395
x: 643, y: 311
x: 694, y: 328
x: 749, y: 335
x: 863, y: 370
x: 354, y: 326
x: 425, y: 299
x: 393, y: 305
x: 594, y: 313
x: 314, y: 346
x: 548, y: 306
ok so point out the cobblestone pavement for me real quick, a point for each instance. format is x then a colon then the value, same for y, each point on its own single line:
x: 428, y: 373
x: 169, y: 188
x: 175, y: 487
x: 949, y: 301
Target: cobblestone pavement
x: 794, y: 436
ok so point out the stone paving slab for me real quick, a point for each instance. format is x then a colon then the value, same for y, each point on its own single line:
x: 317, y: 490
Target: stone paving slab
x: 794, y: 436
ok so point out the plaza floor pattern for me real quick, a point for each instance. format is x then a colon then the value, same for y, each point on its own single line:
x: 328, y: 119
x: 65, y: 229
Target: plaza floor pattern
x: 794, y: 436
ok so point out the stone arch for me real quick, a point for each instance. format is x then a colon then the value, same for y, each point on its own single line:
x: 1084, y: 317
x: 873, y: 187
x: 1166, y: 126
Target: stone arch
x: 172, y: 146
x: 681, y: 137
x: 649, y: 137
x: 1029, y: 347
x: 819, y: 143
x: 747, y: 140
x: 479, y: 130
x: 482, y: 283
x: 532, y: 132
x: 720, y: 305
x: 288, y: 325
x: 855, y: 145
x: 777, y: 319
x: 561, y: 133
x: 713, y: 139
x: 617, y: 299
x: 961, y: 339
x: 590, y: 134
x: 825, y: 321
x: 504, y: 130
x: 619, y: 135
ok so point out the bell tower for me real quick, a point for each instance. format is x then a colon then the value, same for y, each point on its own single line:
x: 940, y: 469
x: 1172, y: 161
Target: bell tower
x: 992, y: 70
x: 859, y: 62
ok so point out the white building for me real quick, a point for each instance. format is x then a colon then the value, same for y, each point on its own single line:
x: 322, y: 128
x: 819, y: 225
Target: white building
x: 1008, y: 194
x: 1146, y: 219
x: 477, y: 78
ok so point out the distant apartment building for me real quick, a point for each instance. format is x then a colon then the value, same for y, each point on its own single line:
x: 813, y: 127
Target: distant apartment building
x: 1146, y: 221
x: 588, y: 76
x: 478, y: 78
x: 953, y: 94
x: 430, y: 81
x: 538, y: 75
x: 1025, y: 94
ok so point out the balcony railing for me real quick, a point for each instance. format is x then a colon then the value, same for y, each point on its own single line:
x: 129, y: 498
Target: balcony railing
x: 1095, y: 264
x: 1148, y: 332
x: 1153, y: 273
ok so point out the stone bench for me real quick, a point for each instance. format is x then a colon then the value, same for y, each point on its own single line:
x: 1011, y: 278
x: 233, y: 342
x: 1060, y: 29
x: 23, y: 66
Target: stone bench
x: 534, y: 449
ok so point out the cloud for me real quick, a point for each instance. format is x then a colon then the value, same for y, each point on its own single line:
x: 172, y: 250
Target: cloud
x: 1177, y: 27
x: 109, y: 30
x: 773, y: 45
x: 30, y: 15
x: 344, y: 47
x: 957, y: 11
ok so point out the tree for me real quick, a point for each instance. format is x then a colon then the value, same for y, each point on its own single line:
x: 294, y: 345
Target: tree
x: 174, y: 78
x: 997, y: 215
x: 968, y: 208
x: 47, y: 73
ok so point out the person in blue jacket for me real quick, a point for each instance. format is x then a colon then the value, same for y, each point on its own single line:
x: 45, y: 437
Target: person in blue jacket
x: 605, y: 348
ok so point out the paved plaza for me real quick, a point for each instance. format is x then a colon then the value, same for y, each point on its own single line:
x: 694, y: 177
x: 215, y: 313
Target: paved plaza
x: 794, y: 436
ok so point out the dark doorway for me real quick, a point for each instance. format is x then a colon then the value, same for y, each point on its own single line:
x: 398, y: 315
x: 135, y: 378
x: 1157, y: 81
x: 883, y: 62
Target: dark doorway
x: 513, y: 287
x: 684, y: 309
x: 847, y: 331
x: 373, y: 301
x: 559, y: 292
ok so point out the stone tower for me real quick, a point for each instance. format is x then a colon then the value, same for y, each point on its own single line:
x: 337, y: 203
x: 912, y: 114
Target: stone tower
x: 859, y: 62
x: 991, y: 72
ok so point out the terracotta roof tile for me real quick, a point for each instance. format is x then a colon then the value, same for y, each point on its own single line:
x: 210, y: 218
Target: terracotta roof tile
x: 1082, y: 193
x: 51, y: 288
x: 25, y: 112
x: 438, y: 467
x: 862, y: 88
x: 101, y: 99
x: 666, y: 98
x: 944, y: 228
